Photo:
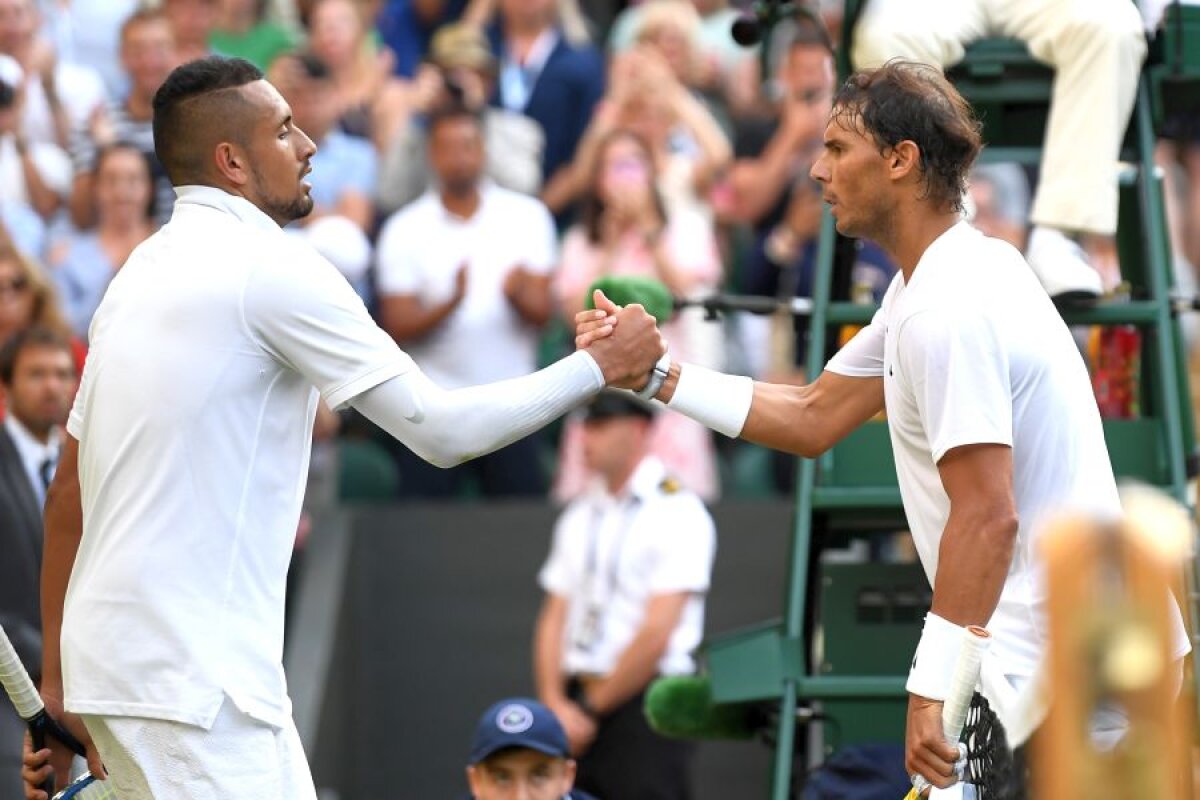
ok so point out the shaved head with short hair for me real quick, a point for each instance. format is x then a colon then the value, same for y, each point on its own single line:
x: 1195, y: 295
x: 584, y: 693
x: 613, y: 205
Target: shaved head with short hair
x: 200, y: 105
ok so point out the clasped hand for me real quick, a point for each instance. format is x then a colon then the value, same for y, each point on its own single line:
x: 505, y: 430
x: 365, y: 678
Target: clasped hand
x: 625, y: 341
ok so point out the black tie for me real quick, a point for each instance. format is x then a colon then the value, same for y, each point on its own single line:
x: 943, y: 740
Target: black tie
x: 47, y: 472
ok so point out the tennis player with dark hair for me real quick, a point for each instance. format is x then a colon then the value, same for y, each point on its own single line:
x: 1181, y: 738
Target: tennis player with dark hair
x: 991, y: 413
x: 170, y: 521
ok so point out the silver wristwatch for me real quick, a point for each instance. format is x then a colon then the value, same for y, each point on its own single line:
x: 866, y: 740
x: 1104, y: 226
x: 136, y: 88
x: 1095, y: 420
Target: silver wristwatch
x: 658, y: 376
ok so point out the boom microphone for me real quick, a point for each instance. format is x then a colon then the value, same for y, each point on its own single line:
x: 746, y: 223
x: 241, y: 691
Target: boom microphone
x: 681, y: 707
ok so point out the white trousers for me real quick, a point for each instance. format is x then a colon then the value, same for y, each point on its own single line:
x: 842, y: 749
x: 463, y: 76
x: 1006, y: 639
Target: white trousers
x: 1096, y: 48
x: 154, y: 759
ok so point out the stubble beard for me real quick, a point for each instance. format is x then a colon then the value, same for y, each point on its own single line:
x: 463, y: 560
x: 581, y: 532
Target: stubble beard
x: 283, y: 209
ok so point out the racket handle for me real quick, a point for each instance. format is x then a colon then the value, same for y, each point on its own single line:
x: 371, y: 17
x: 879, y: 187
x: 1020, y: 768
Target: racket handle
x: 976, y: 641
x: 24, y: 696
x: 16, y: 681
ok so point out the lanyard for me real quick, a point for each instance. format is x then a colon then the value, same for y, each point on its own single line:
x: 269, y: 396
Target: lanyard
x: 592, y: 567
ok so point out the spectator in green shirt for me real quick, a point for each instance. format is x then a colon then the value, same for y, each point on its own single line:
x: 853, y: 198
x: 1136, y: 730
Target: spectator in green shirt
x: 243, y: 31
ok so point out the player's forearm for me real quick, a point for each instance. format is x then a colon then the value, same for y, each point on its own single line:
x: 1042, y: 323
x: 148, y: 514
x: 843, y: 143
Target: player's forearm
x: 973, y: 561
x: 804, y: 420
x: 448, y: 427
x: 64, y: 529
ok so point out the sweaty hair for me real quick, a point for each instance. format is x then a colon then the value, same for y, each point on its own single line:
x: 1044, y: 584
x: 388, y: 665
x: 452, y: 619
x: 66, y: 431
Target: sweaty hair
x: 905, y: 100
x: 28, y: 339
x: 198, y: 106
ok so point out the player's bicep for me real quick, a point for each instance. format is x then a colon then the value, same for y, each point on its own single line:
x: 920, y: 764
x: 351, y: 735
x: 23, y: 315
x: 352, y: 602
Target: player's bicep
x: 978, y: 479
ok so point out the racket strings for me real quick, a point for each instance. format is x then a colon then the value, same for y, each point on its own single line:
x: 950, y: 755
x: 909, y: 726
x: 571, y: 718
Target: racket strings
x: 990, y: 765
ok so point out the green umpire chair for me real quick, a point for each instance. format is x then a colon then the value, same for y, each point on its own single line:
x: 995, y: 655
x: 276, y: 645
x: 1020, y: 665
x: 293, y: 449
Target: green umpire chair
x: 839, y: 655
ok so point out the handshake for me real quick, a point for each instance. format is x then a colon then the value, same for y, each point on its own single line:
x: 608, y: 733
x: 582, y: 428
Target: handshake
x: 624, y: 341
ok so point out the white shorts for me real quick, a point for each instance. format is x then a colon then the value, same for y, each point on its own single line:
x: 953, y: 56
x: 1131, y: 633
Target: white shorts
x: 239, y: 756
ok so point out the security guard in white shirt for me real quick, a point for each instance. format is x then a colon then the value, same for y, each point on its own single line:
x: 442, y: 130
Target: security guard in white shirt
x: 625, y: 584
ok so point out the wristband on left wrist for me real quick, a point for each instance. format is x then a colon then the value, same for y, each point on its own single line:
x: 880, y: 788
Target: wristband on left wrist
x: 937, y: 653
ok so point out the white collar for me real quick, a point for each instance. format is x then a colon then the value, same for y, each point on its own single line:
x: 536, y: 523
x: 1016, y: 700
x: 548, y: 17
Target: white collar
x: 32, y: 451
x: 539, y: 52
x: 221, y: 200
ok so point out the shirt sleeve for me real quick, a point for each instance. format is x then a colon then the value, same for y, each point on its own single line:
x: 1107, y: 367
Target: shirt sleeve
x: 398, y: 268
x: 957, y: 370
x: 686, y: 549
x: 555, y: 575
x: 862, y: 356
x: 76, y: 419
x: 307, y: 316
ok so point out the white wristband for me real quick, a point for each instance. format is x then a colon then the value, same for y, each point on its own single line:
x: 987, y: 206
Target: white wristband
x: 658, y: 376
x: 933, y: 665
x: 714, y: 399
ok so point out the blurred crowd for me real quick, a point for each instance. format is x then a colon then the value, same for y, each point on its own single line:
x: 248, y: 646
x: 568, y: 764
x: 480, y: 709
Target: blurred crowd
x: 480, y: 163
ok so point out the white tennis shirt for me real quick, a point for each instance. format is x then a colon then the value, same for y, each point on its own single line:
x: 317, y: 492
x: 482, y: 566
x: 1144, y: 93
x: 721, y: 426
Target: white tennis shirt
x: 194, y: 419
x: 972, y: 351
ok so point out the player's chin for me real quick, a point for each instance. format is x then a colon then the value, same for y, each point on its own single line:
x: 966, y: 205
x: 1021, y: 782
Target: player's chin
x: 303, y: 206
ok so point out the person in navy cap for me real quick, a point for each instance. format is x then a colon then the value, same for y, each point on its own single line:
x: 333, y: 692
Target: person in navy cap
x: 520, y: 753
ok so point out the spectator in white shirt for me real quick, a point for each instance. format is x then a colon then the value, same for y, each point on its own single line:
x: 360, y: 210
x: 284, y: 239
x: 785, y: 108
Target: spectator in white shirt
x: 33, y: 173
x: 59, y: 95
x: 464, y: 284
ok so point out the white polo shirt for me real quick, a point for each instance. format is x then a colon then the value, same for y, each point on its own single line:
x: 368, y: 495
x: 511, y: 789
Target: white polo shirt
x: 611, y: 555
x: 420, y: 250
x: 972, y: 351
x: 194, y: 418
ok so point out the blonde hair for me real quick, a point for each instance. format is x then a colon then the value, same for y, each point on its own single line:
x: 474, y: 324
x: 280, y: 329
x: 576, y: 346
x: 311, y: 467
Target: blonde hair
x: 47, y: 312
x: 678, y: 14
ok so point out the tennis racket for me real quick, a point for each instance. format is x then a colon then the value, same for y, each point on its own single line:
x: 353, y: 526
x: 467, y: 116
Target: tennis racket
x: 976, y: 641
x: 28, y: 702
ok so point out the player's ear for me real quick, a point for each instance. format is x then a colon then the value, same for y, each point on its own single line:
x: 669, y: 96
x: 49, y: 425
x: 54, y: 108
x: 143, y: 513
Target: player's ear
x: 904, y: 159
x: 232, y: 163
x: 569, y: 770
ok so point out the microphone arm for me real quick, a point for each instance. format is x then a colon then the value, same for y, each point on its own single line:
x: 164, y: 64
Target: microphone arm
x: 716, y: 304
